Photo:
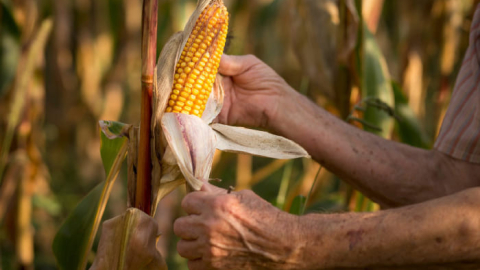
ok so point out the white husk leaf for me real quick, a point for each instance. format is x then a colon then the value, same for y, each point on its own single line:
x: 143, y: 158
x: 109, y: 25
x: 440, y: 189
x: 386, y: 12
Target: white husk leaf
x: 254, y: 142
x: 215, y: 101
x: 193, y: 144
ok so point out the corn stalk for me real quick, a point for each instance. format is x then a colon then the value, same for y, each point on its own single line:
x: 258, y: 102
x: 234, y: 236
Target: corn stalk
x: 149, y: 48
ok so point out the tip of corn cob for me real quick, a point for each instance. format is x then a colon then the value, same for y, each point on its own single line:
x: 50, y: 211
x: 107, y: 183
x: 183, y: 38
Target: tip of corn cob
x: 198, y: 64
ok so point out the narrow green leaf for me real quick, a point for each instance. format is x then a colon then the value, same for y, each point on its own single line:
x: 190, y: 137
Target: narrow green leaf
x: 74, y: 240
x: 298, y: 205
x: 408, y: 127
x: 376, y: 85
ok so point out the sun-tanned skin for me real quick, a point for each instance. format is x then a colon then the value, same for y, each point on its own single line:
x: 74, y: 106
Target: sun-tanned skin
x: 438, y: 223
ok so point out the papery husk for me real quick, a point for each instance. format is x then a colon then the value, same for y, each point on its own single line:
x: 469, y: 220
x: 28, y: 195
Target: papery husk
x: 128, y: 242
x: 255, y: 142
x: 215, y: 101
x: 192, y: 142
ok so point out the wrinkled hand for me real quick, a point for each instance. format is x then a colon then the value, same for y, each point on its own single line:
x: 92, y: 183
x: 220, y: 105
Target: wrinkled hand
x: 253, y: 91
x: 235, y: 231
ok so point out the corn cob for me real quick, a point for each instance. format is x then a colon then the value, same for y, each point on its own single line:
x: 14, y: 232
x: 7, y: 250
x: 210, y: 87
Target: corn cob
x: 198, y: 64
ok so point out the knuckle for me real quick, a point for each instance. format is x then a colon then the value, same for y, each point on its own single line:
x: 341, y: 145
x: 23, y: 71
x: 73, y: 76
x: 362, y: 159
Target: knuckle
x: 178, y: 226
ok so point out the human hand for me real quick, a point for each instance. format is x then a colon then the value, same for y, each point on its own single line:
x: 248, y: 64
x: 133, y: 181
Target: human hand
x: 235, y: 231
x: 254, y: 92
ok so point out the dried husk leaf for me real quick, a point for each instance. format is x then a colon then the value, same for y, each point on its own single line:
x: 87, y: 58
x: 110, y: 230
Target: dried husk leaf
x: 255, y: 142
x: 129, y: 242
x: 215, y: 101
x: 192, y: 142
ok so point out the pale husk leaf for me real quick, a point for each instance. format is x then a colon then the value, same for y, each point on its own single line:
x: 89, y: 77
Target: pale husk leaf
x: 128, y: 242
x: 215, y: 101
x: 254, y: 142
x: 192, y: 142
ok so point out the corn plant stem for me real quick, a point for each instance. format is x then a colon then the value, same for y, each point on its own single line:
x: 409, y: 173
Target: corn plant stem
x: 143, y: 191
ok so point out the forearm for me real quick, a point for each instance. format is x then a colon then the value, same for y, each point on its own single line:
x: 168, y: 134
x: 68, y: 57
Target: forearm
x: 439, y: 231
x: 391, y: 173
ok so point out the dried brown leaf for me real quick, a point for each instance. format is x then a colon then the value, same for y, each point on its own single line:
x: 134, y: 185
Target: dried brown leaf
x: 129, y: 242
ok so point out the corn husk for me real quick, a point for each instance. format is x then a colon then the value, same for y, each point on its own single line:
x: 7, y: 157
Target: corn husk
x: 129, y: 242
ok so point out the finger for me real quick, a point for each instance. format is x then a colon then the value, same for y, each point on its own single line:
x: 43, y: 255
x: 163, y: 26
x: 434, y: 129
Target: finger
x: 212, y: 189
x: 190, y: 249
x: 196, y: 264
x: 234, y: 65
x: 187, y: 228
x: 193, y: 202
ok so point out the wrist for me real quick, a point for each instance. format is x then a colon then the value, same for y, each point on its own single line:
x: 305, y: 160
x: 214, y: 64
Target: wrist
x: 282, y: 109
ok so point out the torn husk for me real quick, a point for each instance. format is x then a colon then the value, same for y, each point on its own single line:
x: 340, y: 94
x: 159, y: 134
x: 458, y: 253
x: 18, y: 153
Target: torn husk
x: 129, y: 242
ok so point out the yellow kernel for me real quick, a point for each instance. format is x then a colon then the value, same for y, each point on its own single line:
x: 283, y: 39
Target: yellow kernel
x: 197, y: 54
x: 176, y: 76
x: 183, y: 75
x: 183, y: 64
x: 177, y: 108
x: 187, y: 90
x: 191, y: 80
x: 195, y: 59
x: 180, y: 81
x: 196, y: 72
x: 195, y: 45
x: 187, y: 108
x: 180, y: 70
x: 188, y: 59
x: 201, y: 63
x: 197, y: 40
x: 193, y: 76
x: 171, y: 102
x: 188, y: 85
x: 200, y: 37
x: 169, y: 109
x: 192, y: 97
x: 189, y: 103
x: 185, y: 112
x: 176, y: 92
x: 199, y: 81
x: 181, y: 99
x: 178, y: 86
x: 196, y: 112
x: 197, y: 107
x: 198, y: 86
x: 173, y: 96
x: 202, y: 77
x: 195, y: 92
x: 184, y: 95
x: 191, y: 64
x: 180, y: 103
x: 188, y: 69
x: 190, y: 54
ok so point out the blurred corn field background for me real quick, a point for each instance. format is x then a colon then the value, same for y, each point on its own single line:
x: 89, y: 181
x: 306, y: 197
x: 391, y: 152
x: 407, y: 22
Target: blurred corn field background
x: 64, y: 65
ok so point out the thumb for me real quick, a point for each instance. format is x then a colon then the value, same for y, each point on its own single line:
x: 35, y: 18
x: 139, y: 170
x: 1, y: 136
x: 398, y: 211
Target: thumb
x: 234, y: 65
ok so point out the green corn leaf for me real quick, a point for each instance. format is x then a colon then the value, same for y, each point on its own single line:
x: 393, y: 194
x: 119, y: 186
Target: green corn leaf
x: 408, y: 127
x: 298, y: 203
x: 74, y: 240
x: 376, y: 84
